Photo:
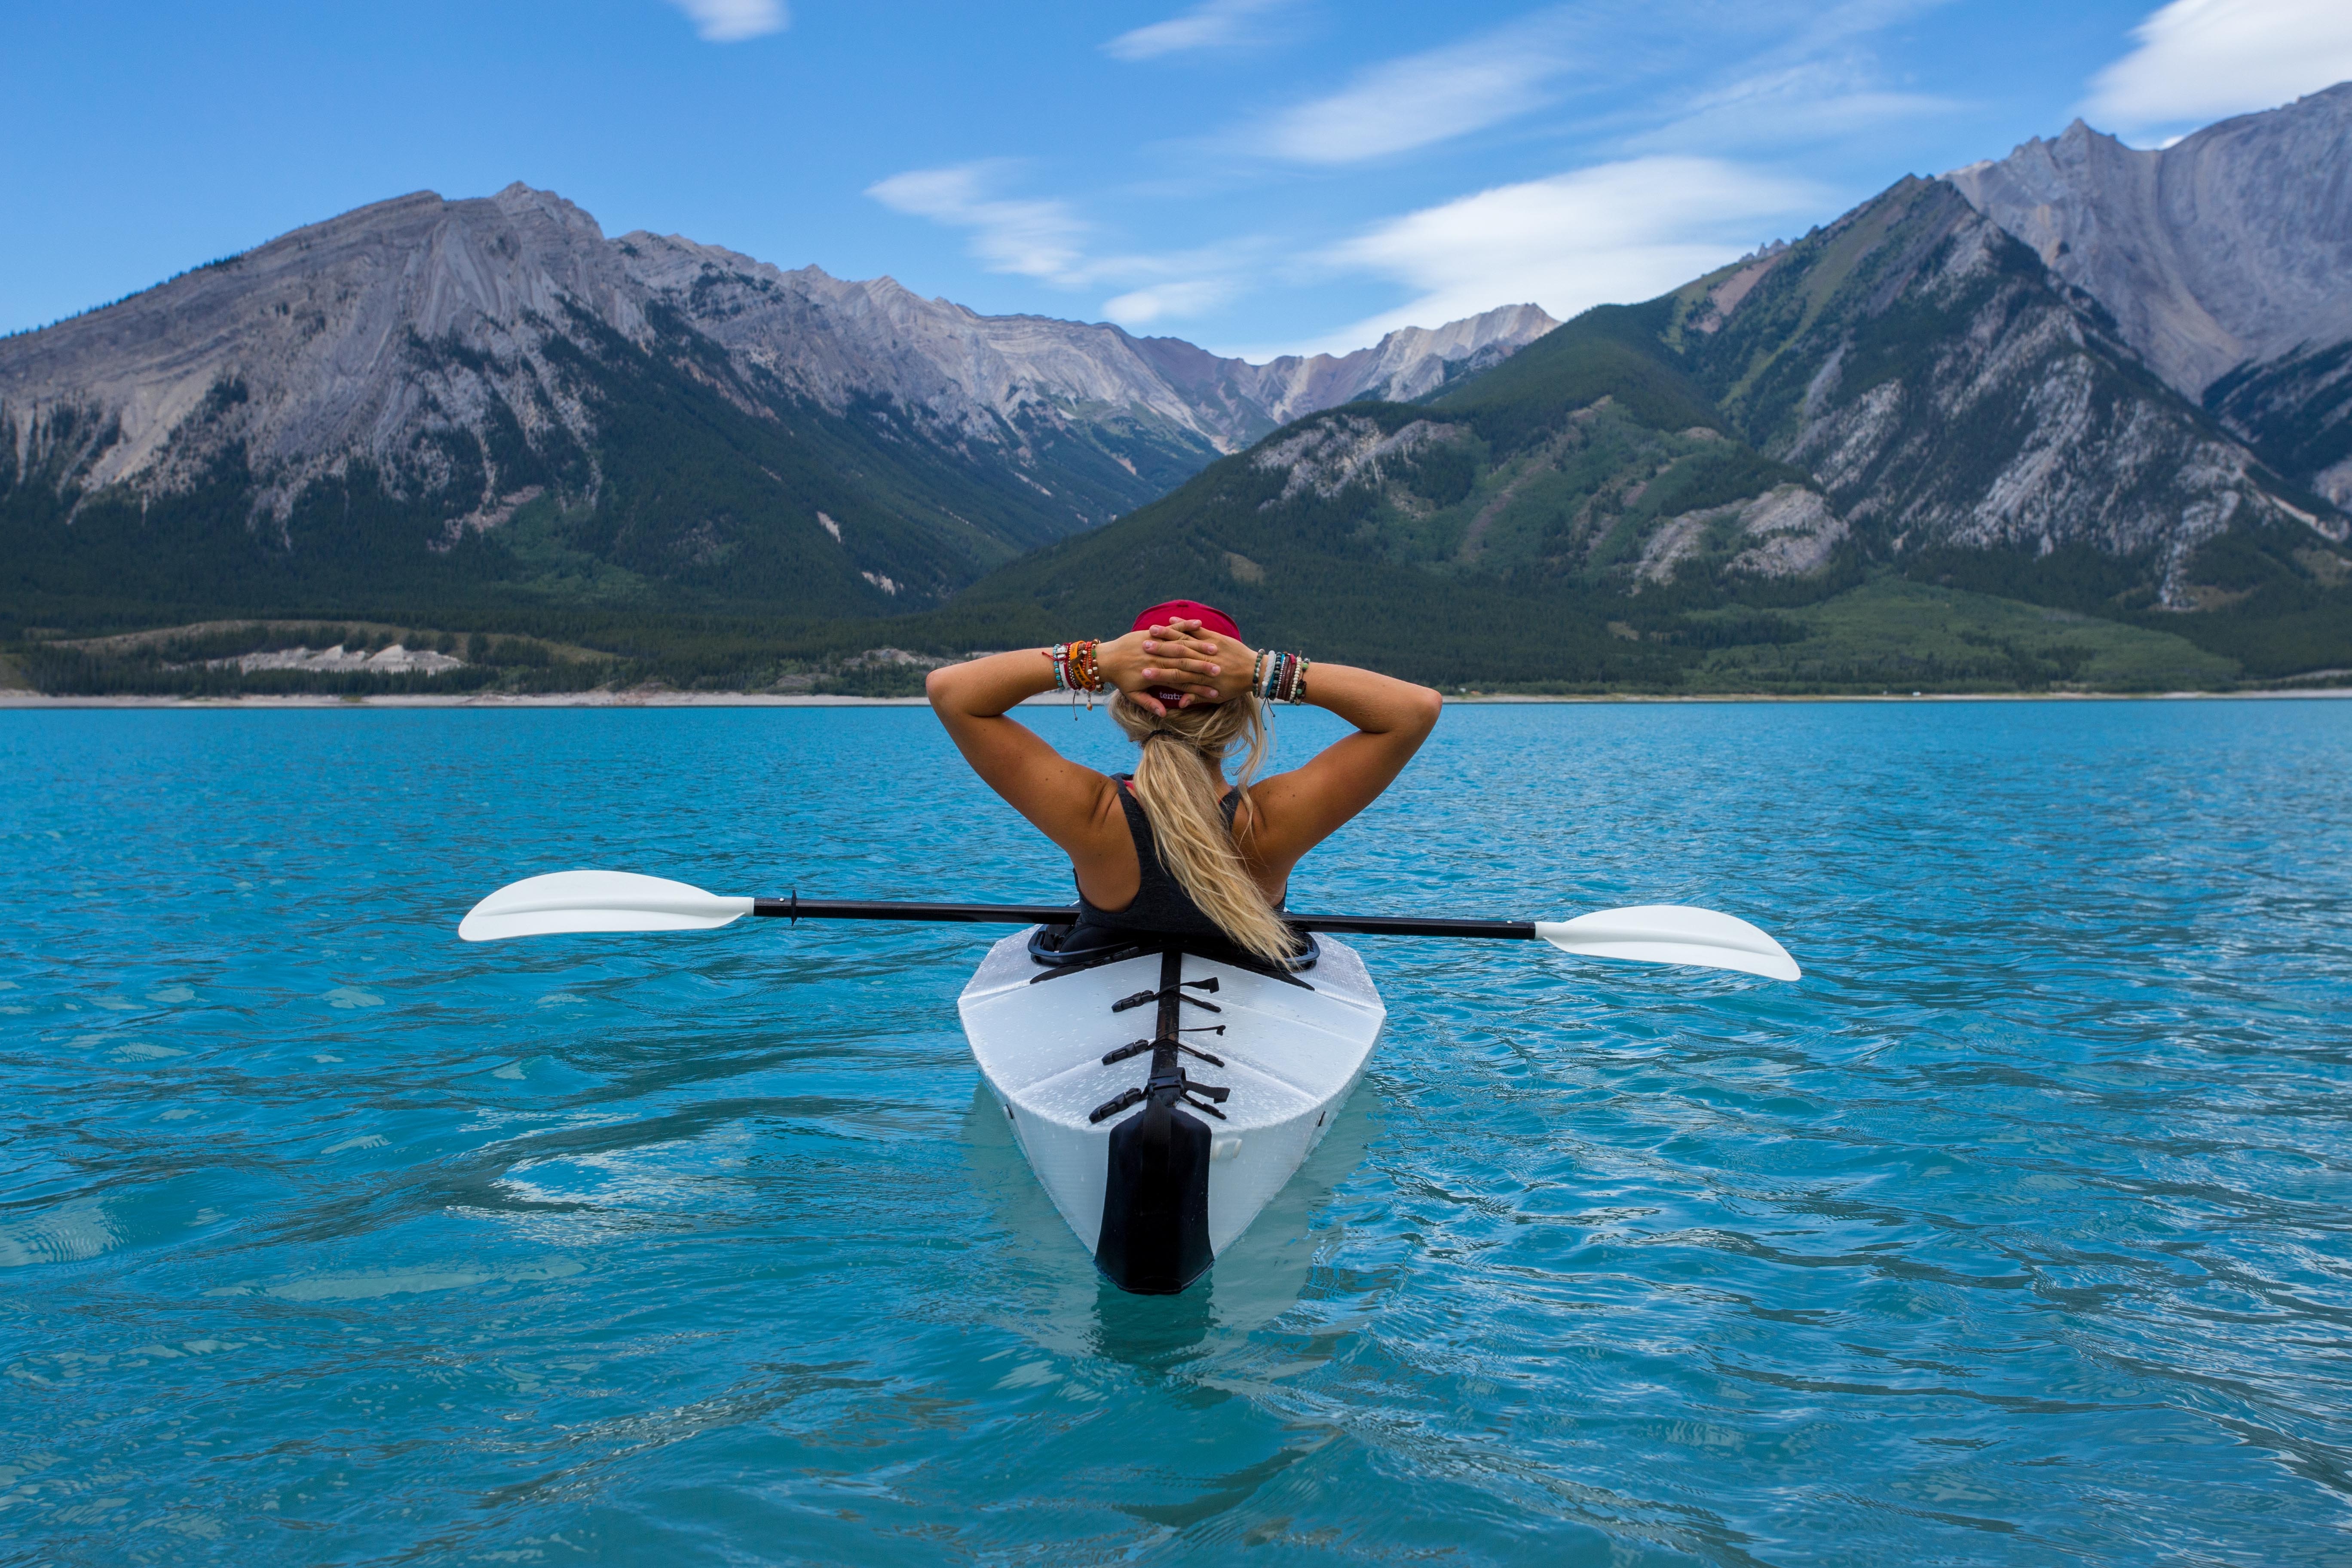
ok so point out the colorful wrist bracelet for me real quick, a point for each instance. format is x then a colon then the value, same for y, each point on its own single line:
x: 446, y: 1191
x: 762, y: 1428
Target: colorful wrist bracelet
x: 1077, y: 667
x: 1279, y: 677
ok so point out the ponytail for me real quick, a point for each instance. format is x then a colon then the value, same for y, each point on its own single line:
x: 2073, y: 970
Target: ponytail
x: 1179, y: 783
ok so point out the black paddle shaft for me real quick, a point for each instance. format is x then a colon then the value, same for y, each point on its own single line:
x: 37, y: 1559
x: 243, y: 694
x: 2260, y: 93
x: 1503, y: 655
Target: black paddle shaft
x: 799, y: 908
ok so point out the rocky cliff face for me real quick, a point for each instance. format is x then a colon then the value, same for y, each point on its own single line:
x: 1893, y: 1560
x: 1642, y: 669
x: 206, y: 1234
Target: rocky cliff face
x: 1950, y: 393
x: 839, y: 341
x: 2296, y: 411
x: 1407, y: 365
x: 310, y: 341
x: 497, y: 369
x: 2226, y: 257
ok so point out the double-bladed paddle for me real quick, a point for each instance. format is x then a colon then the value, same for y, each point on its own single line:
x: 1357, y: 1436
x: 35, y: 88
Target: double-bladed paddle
x: 622, y: 901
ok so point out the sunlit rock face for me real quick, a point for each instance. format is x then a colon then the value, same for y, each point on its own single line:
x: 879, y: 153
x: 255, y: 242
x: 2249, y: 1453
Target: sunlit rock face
x: 1949, y: 391
x: 2225, y: 261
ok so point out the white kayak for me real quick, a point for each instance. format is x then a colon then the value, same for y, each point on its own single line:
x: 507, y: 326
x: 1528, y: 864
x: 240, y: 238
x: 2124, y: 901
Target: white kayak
x: 1165, y: 1089
x: 1163, y: 1099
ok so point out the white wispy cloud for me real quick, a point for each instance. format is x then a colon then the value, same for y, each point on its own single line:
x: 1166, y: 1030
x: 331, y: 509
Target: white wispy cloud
x: 1033, y: 238
x: 2200, y: 60
x: 1214, y: 24
x: 1612, y: 233
x: 1046, y: 240
x: 732, y: 21
x: 1785, y: 73
x: 1813, y: 77
x: 1178, y: 299
x: 1426, y: 98
x: 1789, y: 105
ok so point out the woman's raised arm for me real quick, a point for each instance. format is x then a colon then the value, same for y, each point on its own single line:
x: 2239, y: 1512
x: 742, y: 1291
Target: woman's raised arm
x: 1297, y: 810
x: 974, y: 702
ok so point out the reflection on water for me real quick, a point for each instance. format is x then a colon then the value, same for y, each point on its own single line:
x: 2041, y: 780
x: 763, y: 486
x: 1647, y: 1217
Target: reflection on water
x: 2016, y: 1233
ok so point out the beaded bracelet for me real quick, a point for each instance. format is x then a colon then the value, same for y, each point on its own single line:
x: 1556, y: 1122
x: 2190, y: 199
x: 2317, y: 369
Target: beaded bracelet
x: 1077, y: 667
x: 1280, y: 677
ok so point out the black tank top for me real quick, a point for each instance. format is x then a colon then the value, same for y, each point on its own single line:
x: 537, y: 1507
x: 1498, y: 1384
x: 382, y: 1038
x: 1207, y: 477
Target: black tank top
x: 1161, y: 902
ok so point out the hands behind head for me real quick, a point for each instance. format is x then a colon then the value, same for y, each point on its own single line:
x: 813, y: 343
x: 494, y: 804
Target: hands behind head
x: 1181, y: 655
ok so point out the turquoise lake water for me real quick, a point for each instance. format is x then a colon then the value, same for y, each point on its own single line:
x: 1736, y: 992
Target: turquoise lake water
x: 2016, y: 1233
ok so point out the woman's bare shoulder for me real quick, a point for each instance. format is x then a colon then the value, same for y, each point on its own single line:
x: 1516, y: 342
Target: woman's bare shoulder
x: 1106, y: 808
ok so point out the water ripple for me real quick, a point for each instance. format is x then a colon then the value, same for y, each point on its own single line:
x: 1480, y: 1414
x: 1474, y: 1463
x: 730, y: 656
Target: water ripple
x: 2016, y: 1233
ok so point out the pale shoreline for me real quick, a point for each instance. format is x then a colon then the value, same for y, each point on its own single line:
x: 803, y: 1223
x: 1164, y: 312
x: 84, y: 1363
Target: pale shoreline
x: 33, y: 702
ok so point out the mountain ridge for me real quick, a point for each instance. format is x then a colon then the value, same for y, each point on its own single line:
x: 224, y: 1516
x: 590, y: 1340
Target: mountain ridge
x: 1905, y: 401
x: 1913, y: 408
x: 2222, y: 259
x: 1943, y: 385
x: 467, y: 363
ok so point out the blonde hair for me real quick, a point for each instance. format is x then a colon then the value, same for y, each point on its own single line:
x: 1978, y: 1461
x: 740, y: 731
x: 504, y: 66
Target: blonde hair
x: 1179, y: 783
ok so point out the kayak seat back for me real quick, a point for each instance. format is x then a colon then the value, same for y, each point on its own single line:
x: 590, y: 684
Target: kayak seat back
x: 1084, y: 946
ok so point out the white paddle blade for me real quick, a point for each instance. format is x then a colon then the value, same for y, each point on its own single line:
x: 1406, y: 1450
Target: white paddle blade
x: 596, y: 900
x: 1671, y: 933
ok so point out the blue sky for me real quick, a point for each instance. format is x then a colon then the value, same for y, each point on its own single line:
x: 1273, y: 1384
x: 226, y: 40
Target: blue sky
x: 1256, y: 175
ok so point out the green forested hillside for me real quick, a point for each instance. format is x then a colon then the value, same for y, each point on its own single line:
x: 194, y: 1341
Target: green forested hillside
x: 1351, y: 577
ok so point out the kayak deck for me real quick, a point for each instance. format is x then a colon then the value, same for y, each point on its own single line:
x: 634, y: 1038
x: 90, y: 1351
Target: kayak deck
x: 1287, y: 1052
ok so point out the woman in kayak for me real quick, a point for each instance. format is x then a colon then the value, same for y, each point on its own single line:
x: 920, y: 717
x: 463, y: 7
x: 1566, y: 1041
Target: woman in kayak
x: 1173, y: 848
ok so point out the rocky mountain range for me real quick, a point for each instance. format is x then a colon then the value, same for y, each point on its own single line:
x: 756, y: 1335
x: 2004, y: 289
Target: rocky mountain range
x: 502, y: 392
x: 2225, y: 260
x: 2107, y: 382
x: 1950, y: 393
x: 1952, y: 383
x: 840, y: 343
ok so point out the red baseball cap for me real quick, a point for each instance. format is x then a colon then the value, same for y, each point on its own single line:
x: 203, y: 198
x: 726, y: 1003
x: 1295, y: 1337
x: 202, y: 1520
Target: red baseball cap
x: 1209, y: 615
